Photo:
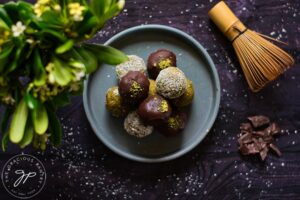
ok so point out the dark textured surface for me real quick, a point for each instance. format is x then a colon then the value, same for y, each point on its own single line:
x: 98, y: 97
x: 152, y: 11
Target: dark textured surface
x: 83, y: 168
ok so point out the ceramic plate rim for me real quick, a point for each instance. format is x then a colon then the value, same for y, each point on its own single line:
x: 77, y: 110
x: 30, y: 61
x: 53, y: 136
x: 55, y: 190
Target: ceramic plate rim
x: 210, y: 123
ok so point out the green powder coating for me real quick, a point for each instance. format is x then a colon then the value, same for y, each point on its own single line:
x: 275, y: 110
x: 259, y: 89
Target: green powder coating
x: 164, y: 107
x: 163, y: 64
x: 135, y: 89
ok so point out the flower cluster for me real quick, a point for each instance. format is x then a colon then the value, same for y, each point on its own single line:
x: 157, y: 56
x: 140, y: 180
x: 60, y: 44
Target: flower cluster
x: 76, y: 11
x: 44, y: 60
x: 43, y: 5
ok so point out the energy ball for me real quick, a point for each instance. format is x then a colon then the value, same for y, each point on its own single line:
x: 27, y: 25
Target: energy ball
x: 134, y: 63
x: 134, y: 87
x: 174, y: 124
x: 154, y: 110
x: 113, y: 102
x: 159, y: 60
x: 134, y: 126
x: 171, y: 83
x: 187, y: 97
x: 152, y: 87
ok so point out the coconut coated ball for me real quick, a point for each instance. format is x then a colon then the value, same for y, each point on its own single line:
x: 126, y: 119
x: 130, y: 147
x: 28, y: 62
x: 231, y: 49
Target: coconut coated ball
x: 113, y: 102
x: 134, y: 126
x: 171, y: 83
x: 134, y: 63
x: 187, y: 97
x: 134, y: 87
x: 154, y: 110
x: 159, y: 60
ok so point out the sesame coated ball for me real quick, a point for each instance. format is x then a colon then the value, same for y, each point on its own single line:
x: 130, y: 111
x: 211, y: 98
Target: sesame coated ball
x: 134, y: 126
x: 134, y: 63
x: 171, y: 83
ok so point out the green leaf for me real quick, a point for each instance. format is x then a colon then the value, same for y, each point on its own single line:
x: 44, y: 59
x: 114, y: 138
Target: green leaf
x: 12, y: 10
x: 55, y: 127
x: 60, y: 36
x: 4, y: 16
x: 31, y: 102
x: 5, y: 118
x: 99, y: 7
x: 38, y: 69
x: 26, y: 12
x: 51, y: 19
x: 107, y: 54
x: 89, y: 59
x: 64, y: 47
x: 16, y: 60
x: 4, y: 56
x: 61, y: 100
x: 3, y: 25
x: 88, y: 25
x: 28, y: 136
x: 114, y: 10
x: 4, y: 141
x: 62, y: 72
x: 40, y: 119
x: 18, y: 122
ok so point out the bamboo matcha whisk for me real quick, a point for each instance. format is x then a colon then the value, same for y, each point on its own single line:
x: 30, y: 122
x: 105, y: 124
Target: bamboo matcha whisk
x: 261, y: 60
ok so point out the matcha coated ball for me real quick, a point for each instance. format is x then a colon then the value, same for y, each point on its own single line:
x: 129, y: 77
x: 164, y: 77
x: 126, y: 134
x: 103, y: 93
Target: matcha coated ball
x: 152, y: 87
x: 171, y: 83
x: 187, y: 97
x: 113, y: 102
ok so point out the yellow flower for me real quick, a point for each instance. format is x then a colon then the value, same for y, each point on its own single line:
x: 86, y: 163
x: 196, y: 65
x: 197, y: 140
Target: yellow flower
x: 41, y: 6
x: 43, y: 1
x: 76, y: 10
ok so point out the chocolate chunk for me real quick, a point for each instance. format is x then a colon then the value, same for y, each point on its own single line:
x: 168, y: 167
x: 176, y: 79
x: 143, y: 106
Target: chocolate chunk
x: 263, y: 153
x: 245, y: 138
x: 273, y: 129
x: 245, y: 127
x: 259, y: 121
x: 256, y: 137
x: 275, y: 149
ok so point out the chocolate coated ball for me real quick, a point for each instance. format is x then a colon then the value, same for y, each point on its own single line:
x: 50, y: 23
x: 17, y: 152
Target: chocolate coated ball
x: 154, y: 110
x: 174, y: 124
x: 159, y: 60
x: 134, y: 87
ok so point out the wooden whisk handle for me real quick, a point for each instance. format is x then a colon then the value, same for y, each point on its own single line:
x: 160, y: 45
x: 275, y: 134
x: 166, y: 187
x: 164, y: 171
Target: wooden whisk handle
x: 226, y: 21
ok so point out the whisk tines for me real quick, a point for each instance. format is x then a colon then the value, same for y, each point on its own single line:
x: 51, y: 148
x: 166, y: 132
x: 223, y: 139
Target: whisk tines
x: 261, y: 60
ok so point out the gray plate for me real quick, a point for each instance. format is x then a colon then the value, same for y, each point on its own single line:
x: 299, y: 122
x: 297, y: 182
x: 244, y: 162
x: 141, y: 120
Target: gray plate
x: 192, y: 59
